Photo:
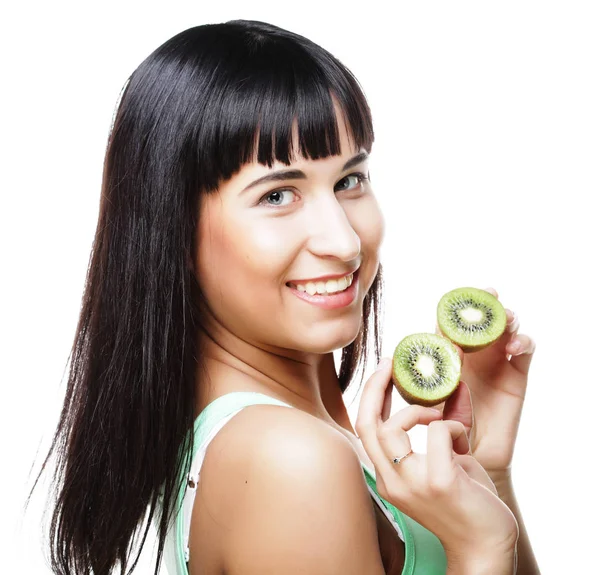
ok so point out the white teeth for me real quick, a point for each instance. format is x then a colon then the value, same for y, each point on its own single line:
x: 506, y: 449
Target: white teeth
x: 330, y: 286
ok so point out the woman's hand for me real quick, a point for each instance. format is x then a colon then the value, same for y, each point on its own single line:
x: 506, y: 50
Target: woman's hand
x: 446, y: 490
x: 497, y: 379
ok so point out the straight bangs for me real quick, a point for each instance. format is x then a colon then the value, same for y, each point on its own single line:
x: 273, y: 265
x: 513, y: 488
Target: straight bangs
x: 273, y: 82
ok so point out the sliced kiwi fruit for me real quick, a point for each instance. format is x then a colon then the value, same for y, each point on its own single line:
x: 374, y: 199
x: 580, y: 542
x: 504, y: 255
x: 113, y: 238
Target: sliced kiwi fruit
x: 470, y: 317
x: 426, y: 368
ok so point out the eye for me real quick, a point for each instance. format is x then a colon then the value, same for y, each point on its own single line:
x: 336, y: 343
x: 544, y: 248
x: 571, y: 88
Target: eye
x: 358, y: 175
x: 278, y: 195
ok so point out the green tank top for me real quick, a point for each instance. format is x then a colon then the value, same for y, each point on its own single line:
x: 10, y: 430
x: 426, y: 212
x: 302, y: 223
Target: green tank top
x: 424, y: 554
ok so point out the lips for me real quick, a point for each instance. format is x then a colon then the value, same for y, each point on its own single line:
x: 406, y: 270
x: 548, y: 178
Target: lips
x: 331, y: 301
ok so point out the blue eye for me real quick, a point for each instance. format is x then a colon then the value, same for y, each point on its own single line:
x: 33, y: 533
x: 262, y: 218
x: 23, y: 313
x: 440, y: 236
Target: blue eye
x: 278, y: 194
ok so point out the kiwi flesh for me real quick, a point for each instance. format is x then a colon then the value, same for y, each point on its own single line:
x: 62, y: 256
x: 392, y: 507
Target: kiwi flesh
x: 426, y: 368
x: 470, y: 317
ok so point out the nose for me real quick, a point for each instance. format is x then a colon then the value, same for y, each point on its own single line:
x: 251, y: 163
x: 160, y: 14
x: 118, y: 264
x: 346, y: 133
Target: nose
x: 331, y: 232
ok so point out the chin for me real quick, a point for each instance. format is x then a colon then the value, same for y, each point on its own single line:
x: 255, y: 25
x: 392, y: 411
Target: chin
x: 332, y: 335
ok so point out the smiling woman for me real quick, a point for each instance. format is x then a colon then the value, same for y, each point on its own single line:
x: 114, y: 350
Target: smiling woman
x: 203, y: 299
x: 180, y: 230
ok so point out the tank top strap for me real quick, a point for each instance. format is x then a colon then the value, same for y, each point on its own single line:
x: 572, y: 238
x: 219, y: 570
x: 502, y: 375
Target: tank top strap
x: 206, y: 425
x: 224, y: 406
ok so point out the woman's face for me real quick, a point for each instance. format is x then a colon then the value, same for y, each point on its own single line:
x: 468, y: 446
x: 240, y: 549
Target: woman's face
x: 256, y: 239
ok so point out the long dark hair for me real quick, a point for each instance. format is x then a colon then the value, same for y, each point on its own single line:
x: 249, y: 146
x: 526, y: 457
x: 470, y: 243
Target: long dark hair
x: 187, y: 120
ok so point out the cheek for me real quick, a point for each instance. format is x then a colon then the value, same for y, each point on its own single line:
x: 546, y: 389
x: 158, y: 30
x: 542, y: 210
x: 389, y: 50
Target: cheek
x: 368, y: 222
x: 239, y: 265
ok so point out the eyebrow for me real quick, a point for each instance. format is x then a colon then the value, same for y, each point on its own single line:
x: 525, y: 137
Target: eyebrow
x: 299, y: 174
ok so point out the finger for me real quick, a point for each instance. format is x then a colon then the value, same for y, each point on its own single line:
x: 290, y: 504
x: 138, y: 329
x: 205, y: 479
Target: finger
x: 492, y: 291
x: 510, y: 315
x: 522, y: 348
x: 441, y: 436
x: 370, y: 410
x: 512, y: 327
x: 387, y: 402
x: 392, y: 434
x: 512, y: 321
x: 459, y: 407
x: 371, y: 402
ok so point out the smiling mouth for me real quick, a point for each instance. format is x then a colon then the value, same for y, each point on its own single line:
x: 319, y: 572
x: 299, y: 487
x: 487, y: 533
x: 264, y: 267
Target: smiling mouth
x: 325, y: 288
x: 321, y: 288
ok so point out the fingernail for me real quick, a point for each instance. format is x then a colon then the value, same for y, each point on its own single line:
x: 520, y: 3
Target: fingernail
x: 385, y: 362
x: 515, y: 346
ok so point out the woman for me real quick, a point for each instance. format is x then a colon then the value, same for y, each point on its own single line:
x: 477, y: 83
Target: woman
x: 200, y: 322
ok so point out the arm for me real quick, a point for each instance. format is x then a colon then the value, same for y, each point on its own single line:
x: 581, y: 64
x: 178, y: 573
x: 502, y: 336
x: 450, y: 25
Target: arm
x: 527, y: 564
x: 491, y: 564
x: 289, y: 496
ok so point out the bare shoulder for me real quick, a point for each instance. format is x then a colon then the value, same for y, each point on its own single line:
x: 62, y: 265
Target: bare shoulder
x: 283, y: 492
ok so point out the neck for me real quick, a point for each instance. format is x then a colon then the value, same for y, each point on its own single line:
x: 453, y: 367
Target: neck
x: 307, y: 381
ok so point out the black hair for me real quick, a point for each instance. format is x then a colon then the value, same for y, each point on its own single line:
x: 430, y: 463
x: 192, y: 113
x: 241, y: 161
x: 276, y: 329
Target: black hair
x: 200, y: 106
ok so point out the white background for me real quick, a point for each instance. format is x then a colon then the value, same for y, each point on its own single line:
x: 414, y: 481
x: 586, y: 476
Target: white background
x: 487, y: 124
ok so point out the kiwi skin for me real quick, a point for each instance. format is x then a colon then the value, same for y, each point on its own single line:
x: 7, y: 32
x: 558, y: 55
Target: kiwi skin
x: 464, y: 346
x: 413, y: 399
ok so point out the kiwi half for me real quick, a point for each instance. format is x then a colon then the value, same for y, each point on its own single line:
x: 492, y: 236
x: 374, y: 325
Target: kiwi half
x: 426, y: 368
x: 472, y: 318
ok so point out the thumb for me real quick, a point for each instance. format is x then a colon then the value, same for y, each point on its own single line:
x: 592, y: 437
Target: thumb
x: 459, y: 407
